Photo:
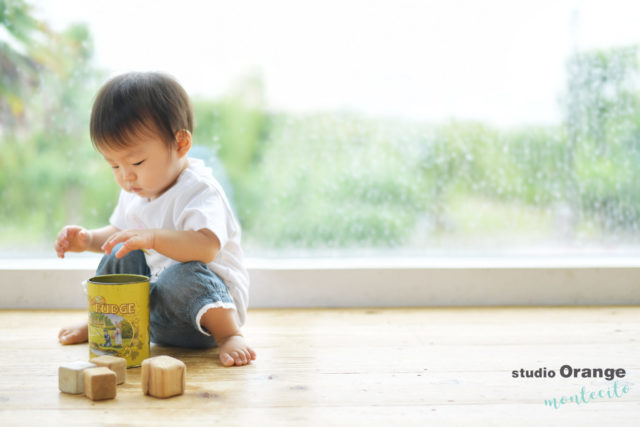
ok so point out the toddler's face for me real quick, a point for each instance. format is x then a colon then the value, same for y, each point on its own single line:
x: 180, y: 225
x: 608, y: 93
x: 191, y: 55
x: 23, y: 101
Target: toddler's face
x: 146, y: 167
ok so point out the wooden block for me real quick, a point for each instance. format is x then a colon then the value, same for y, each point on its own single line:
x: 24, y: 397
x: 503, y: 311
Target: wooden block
x: 99, y: 383
x: 116, y: 364
x: 70, y: 378
x: 163, y: 376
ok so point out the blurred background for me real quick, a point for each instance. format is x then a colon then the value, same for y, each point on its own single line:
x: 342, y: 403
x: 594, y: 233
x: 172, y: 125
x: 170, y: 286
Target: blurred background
x: 345, y: 128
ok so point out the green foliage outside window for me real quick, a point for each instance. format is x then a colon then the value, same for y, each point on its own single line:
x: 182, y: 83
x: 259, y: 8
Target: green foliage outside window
x: 331, y: 180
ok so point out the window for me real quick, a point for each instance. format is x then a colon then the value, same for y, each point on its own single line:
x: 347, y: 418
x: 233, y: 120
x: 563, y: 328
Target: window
x: 385, y: 128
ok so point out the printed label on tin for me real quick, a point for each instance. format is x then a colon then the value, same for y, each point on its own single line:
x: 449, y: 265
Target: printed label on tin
x: 114, y: 329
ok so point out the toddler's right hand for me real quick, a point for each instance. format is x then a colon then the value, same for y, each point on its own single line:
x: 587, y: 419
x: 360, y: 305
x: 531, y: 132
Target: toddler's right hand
x: 72, y: 238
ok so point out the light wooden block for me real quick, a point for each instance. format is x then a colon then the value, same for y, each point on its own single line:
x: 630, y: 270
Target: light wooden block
x: 163, y: 376
x: 116, y: 364
x: 99, y: 383
x: 70, y: 378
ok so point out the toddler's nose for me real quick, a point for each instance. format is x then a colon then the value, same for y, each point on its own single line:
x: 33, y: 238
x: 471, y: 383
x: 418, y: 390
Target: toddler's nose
x: 129, y: 175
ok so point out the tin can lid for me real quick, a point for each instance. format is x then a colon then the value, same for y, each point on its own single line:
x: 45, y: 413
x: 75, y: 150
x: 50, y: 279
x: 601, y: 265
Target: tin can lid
x: 118, y: 279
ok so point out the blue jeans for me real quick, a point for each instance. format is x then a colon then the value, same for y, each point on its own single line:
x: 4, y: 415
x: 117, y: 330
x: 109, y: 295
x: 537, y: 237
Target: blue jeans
x: 175, y: 299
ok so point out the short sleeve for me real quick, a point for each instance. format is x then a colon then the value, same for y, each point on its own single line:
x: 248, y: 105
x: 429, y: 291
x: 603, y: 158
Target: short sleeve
x: 206, y: 209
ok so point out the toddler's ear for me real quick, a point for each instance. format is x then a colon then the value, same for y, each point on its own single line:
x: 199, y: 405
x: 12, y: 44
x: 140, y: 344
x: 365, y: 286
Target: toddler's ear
x: 183, y: 142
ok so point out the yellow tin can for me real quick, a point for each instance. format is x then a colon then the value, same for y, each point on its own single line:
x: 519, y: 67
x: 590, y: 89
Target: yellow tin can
x: 119, y: 317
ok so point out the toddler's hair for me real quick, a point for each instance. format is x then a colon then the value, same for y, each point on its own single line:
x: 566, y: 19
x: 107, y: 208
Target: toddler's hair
x: 135, y: 104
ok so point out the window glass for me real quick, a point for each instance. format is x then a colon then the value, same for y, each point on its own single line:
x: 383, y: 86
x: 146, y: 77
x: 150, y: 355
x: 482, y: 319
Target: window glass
x: 358, y: 128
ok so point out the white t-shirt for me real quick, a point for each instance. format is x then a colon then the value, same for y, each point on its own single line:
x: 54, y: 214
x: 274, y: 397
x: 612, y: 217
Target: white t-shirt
x: 194, y: 202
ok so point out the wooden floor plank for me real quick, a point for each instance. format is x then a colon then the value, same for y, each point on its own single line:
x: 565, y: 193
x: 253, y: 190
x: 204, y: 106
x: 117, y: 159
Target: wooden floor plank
x: 351, y: 366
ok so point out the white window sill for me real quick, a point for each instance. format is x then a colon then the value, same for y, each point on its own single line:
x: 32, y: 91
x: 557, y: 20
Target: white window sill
x: 54, y: 283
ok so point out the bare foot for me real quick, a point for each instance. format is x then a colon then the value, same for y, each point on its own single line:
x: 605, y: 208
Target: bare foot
x: 235, y: 351
x: 222, y: 323
x: 75, y: 334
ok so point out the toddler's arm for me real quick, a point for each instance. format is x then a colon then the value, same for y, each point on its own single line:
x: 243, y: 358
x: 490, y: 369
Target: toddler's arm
x: 183, y: 246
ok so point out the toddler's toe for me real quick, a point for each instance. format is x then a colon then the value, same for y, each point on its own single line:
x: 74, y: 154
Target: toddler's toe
x: 241, y: 359
x: 67, y: 337
x: 226, y: 359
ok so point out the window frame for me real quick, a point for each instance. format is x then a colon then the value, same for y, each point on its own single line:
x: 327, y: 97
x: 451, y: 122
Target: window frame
x: 434, y: 282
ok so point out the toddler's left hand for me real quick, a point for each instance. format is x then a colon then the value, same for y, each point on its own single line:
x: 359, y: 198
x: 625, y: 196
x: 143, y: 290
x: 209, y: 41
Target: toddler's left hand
x: 131, y: 239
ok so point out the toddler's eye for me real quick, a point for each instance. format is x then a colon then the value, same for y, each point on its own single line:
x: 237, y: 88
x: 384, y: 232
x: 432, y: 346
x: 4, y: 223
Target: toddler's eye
x: 114, y: 167
x: 139, y: 163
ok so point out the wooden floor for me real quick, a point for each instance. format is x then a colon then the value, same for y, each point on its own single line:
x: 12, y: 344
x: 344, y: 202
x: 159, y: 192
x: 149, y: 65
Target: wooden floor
x: 351, y: 367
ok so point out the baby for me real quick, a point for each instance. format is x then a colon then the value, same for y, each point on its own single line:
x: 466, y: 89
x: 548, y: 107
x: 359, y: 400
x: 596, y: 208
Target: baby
x: 172, y: 222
